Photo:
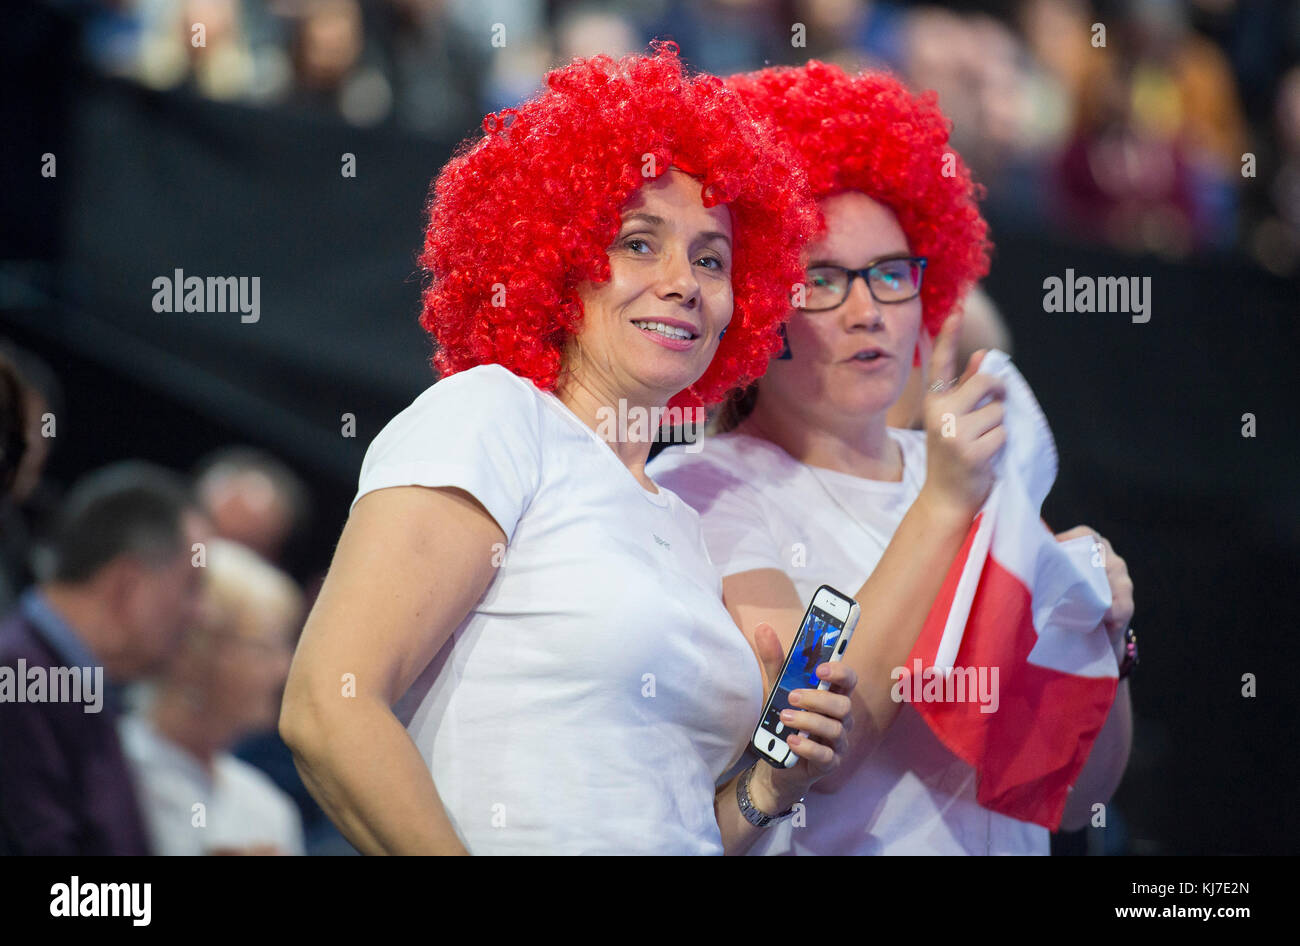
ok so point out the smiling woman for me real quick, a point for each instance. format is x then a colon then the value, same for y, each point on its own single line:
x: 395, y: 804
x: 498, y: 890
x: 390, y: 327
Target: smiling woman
x: 652, y: 329
x: 567, y: 171
x: 547, y: 618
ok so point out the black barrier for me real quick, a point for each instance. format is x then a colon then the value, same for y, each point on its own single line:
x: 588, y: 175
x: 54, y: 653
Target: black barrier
x: 166, y: 187
x: 1148, y: 407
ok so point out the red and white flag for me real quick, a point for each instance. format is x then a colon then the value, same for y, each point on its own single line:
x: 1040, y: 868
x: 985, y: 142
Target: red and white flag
x: 1025, y: 611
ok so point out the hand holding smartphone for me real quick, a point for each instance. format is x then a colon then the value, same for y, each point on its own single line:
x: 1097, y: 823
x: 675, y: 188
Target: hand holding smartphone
x: 823, y: 635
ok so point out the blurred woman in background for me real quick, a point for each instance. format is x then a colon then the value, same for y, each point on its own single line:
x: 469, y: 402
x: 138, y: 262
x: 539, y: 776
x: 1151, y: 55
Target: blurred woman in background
x: 224, y: 683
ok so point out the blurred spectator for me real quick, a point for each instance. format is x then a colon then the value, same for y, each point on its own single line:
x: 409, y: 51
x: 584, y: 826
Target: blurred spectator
x: 725, y: 36
x: 1275, y: 241
x: 586, y: 30
x: 873, y: 32
x: 13, y: 425
x: 975, y: 64
x: 437, y: 67
x: 26, y: 506
x: 225, y: 682
x: 329, y: 68
x: 121, y: 592
x: 1155, y: 161
x: 513, y: 34
x: 43, y: 395
x: 221, y: 49
x: 252, y: 498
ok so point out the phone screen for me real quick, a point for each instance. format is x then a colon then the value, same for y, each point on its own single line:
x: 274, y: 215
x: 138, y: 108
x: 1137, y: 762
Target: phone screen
x: 814, y: 645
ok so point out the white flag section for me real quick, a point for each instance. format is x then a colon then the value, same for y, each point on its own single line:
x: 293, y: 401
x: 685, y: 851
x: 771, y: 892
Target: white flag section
x: 1024, y: 610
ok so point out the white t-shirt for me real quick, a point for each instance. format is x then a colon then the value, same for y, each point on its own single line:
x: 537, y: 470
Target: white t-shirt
x: 590, y: 700
x: 763, y: 509
x: 242, y: 807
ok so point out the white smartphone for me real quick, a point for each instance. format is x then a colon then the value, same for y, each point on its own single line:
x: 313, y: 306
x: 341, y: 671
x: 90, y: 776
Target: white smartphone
x: 827, y: 626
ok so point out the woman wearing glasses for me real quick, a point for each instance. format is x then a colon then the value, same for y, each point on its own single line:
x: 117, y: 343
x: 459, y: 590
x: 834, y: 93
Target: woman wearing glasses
x: 575, y: 684
x: 810, y: 485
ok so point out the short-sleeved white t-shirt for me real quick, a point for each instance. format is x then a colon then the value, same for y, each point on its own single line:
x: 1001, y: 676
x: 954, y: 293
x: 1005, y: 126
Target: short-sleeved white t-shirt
x: 242, y: 807
x: 762, y: 509
x: 593, y: 696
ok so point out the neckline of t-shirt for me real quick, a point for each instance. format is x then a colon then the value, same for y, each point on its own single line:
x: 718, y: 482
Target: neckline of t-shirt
x: 659, y: 498
x: 836, y: 476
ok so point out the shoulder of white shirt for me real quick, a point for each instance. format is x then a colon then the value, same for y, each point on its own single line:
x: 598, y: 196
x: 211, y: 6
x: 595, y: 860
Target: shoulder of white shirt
x: 490, y: 378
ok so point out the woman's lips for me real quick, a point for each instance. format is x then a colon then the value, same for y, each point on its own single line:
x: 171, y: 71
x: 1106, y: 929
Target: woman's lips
x: 673, y: 344
x: 869, y: 364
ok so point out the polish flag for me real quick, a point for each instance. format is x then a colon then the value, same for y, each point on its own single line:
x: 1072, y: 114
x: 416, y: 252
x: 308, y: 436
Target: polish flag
x: 1018, y: 600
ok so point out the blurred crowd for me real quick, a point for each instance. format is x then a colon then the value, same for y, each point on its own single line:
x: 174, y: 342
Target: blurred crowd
x: 1165, y: 126
x: 171, y: 582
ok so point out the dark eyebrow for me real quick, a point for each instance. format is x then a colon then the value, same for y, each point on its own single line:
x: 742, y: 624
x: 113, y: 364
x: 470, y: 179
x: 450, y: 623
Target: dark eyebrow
x: 659, y: 222
x: 901, y: 254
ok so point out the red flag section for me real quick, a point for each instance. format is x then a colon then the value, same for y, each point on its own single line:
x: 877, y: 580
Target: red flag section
x: 1026, y: 674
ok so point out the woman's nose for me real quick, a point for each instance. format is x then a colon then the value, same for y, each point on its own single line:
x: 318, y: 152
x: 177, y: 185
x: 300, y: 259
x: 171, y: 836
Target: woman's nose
x: 860, y: 307
x: 678, y: 278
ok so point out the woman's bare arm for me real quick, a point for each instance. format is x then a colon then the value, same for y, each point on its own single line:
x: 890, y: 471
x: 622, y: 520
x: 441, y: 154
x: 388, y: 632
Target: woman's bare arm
x: 962, y: 438
x: 410, y: 564
x: 824, y: 715
x: 1106, y: 763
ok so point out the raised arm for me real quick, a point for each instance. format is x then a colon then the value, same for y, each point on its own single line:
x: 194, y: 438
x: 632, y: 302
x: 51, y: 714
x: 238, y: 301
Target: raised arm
x: 410, y: 564
x: 896, y: 597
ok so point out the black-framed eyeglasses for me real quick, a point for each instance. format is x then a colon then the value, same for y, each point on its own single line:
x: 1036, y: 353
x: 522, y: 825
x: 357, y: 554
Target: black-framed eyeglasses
x: 895, y: 279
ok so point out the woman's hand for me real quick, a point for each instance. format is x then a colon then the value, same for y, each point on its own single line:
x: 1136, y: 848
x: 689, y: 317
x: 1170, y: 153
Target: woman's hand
x: 823, y: 714
x: 962, y: 438
x: 1121, y: 585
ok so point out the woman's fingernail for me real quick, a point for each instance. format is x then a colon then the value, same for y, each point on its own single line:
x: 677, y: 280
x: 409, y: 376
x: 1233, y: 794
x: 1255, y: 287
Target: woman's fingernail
x: 794, y: 697
x: 787, y: 715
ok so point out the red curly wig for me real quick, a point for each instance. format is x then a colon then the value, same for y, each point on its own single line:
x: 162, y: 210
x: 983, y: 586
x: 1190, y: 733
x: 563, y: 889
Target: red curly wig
x: 532, y: 206
x: 868, y: 133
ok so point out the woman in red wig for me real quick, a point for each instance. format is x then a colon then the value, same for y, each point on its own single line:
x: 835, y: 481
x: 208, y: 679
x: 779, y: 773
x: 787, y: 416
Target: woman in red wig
x: 569, y: 680
x: 810, y: 485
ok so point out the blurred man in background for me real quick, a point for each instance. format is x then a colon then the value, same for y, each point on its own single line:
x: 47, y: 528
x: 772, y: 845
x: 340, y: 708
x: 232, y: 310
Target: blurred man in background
x: 120, y: 592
